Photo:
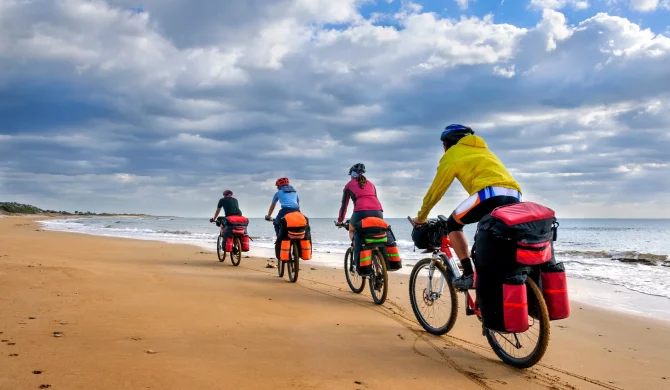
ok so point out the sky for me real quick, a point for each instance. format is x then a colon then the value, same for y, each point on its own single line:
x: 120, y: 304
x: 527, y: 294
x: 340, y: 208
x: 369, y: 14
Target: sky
x: 158, y: 106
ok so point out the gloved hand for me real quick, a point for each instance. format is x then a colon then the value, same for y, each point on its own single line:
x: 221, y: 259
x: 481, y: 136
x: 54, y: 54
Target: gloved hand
x: 417, y: 222
x: 268, y: 218
x: 211, y: 220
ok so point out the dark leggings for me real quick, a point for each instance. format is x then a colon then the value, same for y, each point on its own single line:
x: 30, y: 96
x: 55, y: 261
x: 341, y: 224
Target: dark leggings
x: 478, y: 212
x: 356, y: 216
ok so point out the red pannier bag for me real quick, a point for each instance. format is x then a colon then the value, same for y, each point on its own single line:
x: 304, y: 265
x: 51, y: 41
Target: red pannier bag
x: 244, y: 240
x: 236, y: 225
x: 555, y: 290
x: 229, y: 245
x: 515, y: 304
x: 237, y: 220
x: 503, y: 302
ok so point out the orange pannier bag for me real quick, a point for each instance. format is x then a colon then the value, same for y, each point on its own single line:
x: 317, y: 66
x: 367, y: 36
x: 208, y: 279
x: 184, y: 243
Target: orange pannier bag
x: 285, y: 249
x: 295, y: 219
x: 306, y: 249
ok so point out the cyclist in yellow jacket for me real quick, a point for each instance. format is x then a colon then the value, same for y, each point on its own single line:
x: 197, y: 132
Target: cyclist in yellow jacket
x: 468, y: 159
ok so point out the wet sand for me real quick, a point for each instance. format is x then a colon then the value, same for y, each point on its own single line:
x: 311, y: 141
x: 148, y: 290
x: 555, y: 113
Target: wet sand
x: 149, y: 315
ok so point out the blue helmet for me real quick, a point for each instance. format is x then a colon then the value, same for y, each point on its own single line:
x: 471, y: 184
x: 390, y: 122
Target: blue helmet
x: 453, y: 133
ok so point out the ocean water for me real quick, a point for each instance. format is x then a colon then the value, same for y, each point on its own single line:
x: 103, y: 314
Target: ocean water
x: 628, y: 253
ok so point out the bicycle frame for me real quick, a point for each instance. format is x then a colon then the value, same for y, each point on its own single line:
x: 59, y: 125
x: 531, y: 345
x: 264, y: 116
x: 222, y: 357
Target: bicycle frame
x: 444, y: 257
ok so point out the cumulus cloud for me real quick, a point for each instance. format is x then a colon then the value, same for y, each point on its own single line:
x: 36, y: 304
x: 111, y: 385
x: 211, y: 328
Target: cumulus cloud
x: 107, y: 107
x: 644, y: 5
x: 462, y: 4
x: 559, y: 4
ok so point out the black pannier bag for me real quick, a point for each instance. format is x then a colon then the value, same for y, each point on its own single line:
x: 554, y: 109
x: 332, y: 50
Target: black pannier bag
x: 428, y: 235
x: 508, y: 240
x: 513, y: 236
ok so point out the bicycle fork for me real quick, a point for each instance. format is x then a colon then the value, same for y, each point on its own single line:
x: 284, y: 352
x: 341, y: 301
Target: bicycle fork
x: 437, y: 262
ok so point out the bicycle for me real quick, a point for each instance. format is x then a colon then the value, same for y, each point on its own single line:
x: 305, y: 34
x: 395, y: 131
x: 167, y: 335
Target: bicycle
x: 378, y: 281
x: 235, y: 255
x: 444, y: 262
x: 293, y: 262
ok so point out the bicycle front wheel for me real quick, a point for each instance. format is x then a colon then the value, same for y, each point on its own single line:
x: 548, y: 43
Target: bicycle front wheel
x: 433, y: 298
x: 236, y: 256
x: 379, y: 281
x: 524, y: 350
x: 220, y: 250
x: 355, y: 281
x: 294, y: 262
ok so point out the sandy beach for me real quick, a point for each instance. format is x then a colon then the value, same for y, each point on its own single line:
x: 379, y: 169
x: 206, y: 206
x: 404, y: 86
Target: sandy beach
x: 148, y: 315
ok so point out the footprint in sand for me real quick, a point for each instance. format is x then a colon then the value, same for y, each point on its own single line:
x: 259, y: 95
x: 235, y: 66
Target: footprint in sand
x: 45, y: 386
x: 37, y: 372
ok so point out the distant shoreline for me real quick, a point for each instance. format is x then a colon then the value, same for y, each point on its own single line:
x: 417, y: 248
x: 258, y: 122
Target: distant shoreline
x: 20, y: 209
x: 3, y: 213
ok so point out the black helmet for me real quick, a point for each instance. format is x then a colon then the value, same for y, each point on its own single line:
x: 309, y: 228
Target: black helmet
x: 358, y: 168
x: 453, y: 133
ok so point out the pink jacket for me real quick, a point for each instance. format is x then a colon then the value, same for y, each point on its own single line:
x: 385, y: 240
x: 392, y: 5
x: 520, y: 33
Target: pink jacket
x: 364, y: 198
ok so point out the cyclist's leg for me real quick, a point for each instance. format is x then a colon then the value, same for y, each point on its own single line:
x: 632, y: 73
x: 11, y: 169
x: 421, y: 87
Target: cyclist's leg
x: 472, y: 210
x: 220, y: 221
x: 455, y: 227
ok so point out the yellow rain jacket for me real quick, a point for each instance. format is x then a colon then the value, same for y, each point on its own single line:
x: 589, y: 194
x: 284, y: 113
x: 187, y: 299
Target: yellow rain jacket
x: 474, y: 165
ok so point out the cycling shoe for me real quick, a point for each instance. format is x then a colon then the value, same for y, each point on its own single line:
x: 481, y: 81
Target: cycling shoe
x: 464, y: 283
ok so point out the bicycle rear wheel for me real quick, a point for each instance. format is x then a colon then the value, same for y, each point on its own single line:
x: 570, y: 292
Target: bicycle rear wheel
x: 509, y: 347
x: 220, y: 250
x: 294, y: 262
x: 236, y: 256
x: 433, y: 298
x: 355, y: 281
x: 379, y: 281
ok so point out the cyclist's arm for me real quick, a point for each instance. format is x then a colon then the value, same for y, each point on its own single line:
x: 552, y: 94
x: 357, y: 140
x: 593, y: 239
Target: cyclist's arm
x: 272, y: 209
x: 216, y: 214
x: 443, y: 178
x: 273, y: 204
x: 343, y: 207
x: 218, y: 208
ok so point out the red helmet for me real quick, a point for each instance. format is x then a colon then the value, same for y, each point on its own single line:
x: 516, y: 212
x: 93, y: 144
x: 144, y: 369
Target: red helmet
x: 282, y: 182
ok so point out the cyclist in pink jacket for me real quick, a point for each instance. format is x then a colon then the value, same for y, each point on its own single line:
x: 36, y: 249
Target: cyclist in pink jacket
x: 364, y: 195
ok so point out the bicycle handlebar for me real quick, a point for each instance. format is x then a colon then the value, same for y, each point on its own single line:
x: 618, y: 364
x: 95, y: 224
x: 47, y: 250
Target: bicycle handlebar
x: 440, y: 218
x: 344, y: 224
